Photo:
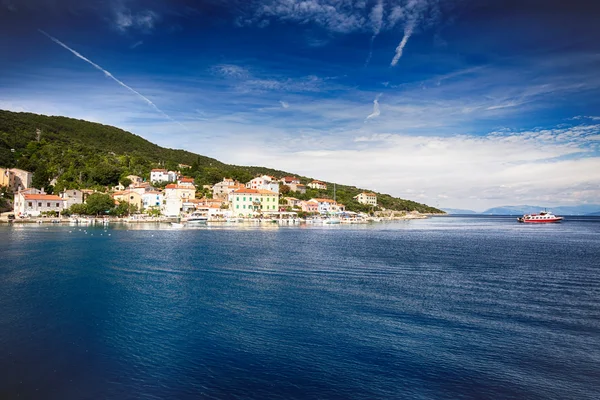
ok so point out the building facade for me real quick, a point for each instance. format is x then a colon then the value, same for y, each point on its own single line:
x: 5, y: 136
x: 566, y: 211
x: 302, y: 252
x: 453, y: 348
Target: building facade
x: 34, y: 204
x: 246, y: 202
x: 264, y: 182
x: 162, y: 175
x: 318, y: 185
x: 366, y: 198
x: 15, y: 179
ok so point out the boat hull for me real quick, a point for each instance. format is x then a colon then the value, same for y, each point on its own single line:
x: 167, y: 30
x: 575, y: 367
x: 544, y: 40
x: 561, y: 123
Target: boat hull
x: 540, y: 221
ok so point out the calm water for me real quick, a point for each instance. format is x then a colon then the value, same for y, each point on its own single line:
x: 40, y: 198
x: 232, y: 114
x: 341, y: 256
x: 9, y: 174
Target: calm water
x: 447, y: 308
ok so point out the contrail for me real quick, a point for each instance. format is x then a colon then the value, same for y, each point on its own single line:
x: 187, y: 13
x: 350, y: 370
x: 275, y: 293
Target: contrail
x: 111, y: 76
x: 377, y: 21
x: 408, y: 30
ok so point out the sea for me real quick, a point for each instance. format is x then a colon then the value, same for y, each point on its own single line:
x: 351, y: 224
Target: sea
x: 443, y: 308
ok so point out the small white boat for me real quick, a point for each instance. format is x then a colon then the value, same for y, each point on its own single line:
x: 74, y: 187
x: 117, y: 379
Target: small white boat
x: 197, y: 218
x: 177, y: 225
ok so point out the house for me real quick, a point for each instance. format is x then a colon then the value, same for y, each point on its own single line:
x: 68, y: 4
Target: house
x: 246, y: 202
x: 186, y: 181
x: 162, y: 175
x: 290, y: 180
x: 300, y: 188
x: 222, y: 189
x: 152, y: 199
x: 175, y: 196
x: 366, y: 198
x: 309, y: 206
x: 184, y: 166
x: 264, y: 182
x: 4, y: 177
x: 71, y: 196
x: 131, y: 197
x: 15, y: 179
x: 136, y: 180
x: 318, y: 185
x: 34, y: 204
x: 292, y: 201
x: 326, y: 206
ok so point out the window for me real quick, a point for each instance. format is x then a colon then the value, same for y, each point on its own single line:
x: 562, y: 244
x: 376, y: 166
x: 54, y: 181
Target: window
x: 57, y: 205
x: 244, y: 206
x: 250, y: 198
x: 244, y: 200
x: 47, y: 204
x: 237, y: 206
x: 30, y: 204
x: 39, y: 204
x: 237, y: 198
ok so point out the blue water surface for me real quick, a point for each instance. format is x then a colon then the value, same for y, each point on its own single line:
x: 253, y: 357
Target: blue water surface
x: 444, y: 308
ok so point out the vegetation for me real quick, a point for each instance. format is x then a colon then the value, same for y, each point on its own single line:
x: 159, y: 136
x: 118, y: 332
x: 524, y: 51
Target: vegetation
x: 79, y: 154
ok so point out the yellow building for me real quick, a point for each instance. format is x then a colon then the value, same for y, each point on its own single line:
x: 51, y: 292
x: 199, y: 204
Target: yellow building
x: 130, y: 197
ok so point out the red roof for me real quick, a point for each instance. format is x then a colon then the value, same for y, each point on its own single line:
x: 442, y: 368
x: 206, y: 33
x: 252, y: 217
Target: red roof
x: 49, y: 197
x: 159, y: 170
x: 187, y: 180
x: 175, y: 186
x: 253, y: 191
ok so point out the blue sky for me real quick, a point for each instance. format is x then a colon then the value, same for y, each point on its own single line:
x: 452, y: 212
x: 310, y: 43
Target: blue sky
x: 467, y: 104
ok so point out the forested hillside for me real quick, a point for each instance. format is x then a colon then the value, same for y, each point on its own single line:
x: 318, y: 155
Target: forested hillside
x: 82, y: 154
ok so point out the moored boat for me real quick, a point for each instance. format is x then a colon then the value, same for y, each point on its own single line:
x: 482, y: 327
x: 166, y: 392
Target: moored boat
x: 541, y: 218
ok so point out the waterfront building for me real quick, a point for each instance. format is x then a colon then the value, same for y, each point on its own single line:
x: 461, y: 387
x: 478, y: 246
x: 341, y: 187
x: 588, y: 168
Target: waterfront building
x: 152, y: 199
x: 309, y: 206
x: 292, y: 201
x: 174, y: 197
x: 71, y: 196
x: 129, y: 196
x: 366, y: 198
x: 34, y: 204
x: 247, y: 202
x: 326, y: 206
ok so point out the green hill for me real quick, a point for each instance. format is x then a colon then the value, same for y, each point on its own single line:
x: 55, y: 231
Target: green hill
x: 82, y: 154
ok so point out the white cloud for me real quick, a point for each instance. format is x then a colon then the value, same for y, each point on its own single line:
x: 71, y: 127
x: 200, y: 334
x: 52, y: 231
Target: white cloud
x: 124, y: 19
x: 376, y: 112
x: 347, y: 16
x: 284, y: 104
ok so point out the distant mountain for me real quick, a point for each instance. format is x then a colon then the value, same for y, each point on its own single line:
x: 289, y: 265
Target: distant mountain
x: 458, y: 211
x: 584, y: 209
x: 596, y: 214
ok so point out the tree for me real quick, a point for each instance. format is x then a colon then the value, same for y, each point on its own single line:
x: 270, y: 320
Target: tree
x: 98, y: 203
x: 285, y: 189
x: 126, y: 182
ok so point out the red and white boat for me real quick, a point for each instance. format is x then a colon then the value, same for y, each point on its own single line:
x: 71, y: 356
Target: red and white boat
x: 541, y: 218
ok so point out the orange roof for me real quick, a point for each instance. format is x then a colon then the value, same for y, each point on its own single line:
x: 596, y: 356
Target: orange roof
x: 175, y: 186
x: 324, y: 200
x: 186, y: 179
x: 315, y: 181
x: 254, y: 191
x: 42, y: 197
x: 366, y: 194
x: 159, y: 170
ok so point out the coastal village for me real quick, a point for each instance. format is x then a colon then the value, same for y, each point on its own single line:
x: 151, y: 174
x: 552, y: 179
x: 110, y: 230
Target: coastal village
x: 172, y: 196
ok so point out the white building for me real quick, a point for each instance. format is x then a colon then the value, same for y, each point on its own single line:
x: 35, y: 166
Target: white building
x: 162, y: 175
x: 71, y: 196
x: 246, y: 202
x: 152, y: 199
x: 174, y: 197
x: 318, y: 185
x: 366, y: 198
x: 326, y: 206
x: 35, y: 204
x: 264, y: 182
